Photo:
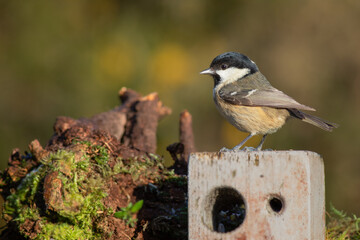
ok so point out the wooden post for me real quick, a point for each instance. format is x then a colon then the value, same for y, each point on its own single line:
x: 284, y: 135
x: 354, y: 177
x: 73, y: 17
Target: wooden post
x: 256, y: 195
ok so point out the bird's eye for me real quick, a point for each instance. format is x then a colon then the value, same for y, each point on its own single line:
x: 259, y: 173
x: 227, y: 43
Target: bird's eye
x: 224, y: 66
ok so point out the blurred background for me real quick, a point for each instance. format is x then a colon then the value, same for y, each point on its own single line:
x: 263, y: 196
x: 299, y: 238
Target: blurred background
x: 71, y: 58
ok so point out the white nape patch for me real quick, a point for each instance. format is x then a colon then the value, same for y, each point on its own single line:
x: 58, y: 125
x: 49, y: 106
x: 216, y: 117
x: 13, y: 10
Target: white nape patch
x: 251, y: 93
x: 252, y: 61
x: 233, y: 93
x: 231, y: 74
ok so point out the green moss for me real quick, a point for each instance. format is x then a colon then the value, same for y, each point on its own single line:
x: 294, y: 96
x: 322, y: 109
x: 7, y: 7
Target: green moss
x: 61, y: 161
x: 82, y: 194
x: 98, y: 153
x: 65, y: 231
x: 101, y: 155
x: 84, y: 164
x: 148, y: 167
x: 83, y: 173
x: 87, y: 211
x: 25, y: 192
x: 341, y: 226
x: 27, y: 213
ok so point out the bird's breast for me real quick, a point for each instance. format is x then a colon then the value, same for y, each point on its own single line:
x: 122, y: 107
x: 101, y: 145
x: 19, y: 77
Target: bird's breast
x: 252, y: 119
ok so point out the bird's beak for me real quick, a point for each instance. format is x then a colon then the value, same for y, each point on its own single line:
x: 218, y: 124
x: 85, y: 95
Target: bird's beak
x: 208, y: 71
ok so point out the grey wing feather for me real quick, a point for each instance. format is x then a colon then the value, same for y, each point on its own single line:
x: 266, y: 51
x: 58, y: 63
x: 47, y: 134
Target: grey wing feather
x: 270, y: 97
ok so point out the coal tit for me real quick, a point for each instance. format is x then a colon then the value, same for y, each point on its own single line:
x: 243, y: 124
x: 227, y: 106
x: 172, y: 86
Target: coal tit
x: 248, y: 101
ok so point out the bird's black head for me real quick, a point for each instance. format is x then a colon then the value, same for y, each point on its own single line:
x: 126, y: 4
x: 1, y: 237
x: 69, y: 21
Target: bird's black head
x: 230, y: 66
x: 233, y: 59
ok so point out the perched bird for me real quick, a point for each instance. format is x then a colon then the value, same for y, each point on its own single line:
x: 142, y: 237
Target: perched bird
x: 248, y: 101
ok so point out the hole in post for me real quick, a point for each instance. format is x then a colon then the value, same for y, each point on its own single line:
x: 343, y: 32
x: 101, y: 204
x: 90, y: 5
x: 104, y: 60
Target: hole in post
x: 276, y: 203
x: 224, y: 210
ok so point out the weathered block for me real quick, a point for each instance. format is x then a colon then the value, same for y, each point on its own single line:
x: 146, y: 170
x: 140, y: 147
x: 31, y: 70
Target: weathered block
x: 269, y: 194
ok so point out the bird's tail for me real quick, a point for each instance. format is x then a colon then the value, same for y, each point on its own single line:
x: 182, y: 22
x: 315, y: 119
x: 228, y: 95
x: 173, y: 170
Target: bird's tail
x: 316, y: 121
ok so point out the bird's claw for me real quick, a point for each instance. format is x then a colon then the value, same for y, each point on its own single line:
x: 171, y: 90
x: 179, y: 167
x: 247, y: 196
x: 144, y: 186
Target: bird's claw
x: 235, y: 149
x: 244, y: 149
x: 224, y: 149
x: 249, y: 149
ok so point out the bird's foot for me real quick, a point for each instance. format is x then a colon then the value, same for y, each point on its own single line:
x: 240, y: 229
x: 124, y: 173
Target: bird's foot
x: 224, y: 149
x: 244, y: 149
x: 249, y: 149
x: 235, y: 149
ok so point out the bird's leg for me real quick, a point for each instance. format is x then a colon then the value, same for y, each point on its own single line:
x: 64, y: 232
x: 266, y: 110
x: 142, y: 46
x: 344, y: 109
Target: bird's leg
x: 237, y: 147
x: 258, y: 148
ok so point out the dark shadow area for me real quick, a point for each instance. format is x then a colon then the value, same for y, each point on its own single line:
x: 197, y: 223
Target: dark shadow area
x: 164, y: 214
x: 228, y: 211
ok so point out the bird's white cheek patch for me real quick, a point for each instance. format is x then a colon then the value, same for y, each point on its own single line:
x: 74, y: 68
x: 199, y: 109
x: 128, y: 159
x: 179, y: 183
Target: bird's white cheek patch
x: 232, y: 74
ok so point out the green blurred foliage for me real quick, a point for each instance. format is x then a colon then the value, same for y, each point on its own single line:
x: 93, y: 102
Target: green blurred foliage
x: 71, y: 58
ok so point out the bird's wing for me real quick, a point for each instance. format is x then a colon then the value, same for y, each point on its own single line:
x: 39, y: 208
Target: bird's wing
x: 270, y: 97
